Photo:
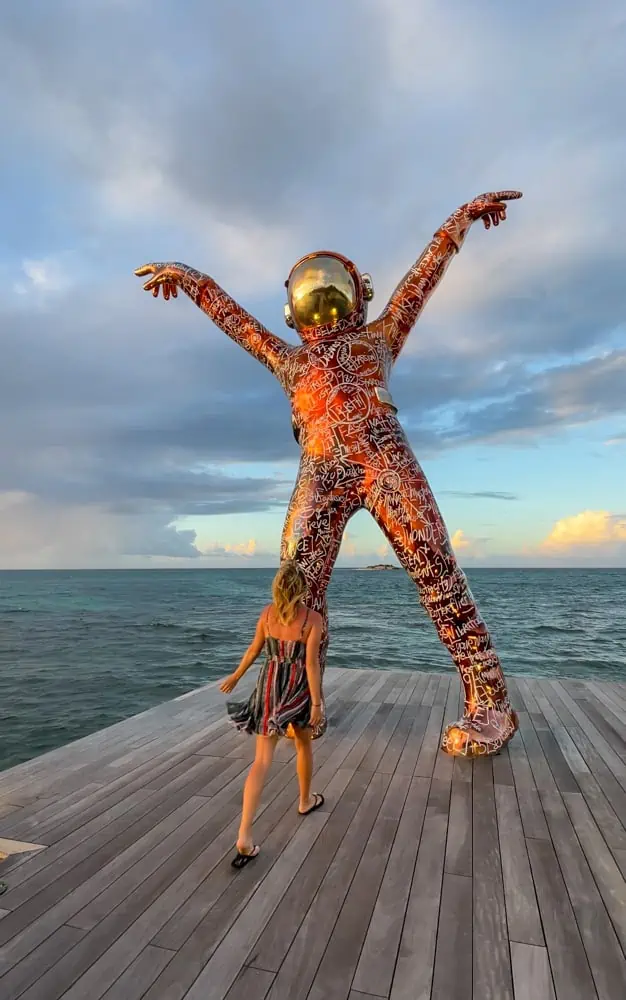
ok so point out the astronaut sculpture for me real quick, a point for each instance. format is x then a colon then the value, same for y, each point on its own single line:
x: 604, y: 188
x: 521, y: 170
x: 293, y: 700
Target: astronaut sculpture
x: 355, y: 453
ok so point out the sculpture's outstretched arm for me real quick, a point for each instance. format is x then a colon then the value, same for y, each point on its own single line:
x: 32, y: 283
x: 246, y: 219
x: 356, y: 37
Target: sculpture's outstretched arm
x: 243, y: 328
x: 406, y: 304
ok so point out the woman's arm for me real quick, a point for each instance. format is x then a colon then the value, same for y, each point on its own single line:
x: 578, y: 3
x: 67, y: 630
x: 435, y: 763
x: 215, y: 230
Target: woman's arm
x: 313, y: 660
x: 248, y: 658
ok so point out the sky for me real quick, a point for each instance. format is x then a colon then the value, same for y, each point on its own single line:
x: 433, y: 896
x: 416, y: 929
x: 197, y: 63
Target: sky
x: 236, y: 137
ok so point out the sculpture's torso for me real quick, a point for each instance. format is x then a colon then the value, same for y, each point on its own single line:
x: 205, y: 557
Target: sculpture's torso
x: 332, y: 384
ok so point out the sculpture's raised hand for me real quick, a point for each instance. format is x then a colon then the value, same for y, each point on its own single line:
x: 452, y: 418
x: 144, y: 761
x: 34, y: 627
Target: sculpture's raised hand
x: 227, y: 314
x: 166, y: 277
x: 491, y: 207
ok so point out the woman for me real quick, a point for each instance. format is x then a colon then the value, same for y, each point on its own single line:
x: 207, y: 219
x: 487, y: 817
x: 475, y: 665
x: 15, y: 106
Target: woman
x: 288, y: 695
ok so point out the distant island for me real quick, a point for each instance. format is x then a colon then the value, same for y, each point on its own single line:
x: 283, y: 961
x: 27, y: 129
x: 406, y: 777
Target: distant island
x: 381, y: 566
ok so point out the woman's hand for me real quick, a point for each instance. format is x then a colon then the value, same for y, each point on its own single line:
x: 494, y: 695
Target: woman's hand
x: 229, y: 683
x: 316, y: 717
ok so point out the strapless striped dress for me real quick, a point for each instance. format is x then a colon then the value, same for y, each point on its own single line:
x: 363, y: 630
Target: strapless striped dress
x: 281, y: 697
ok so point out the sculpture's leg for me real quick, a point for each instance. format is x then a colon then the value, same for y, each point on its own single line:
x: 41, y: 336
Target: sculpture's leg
x: 325, y: 497
x: 406, y: 510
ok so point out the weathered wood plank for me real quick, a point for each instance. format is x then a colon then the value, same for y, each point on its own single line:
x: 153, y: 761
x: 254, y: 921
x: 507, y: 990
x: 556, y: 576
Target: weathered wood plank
x: 606, y: 873
x: 222, y: 969
x: 458, y: 859
x: 104, y: 953
x: 37, y: 931
x: 410, y: 753
x: 492, y: 968
x: 502, y: 770
x: 416, y: 957
x: 378, y: 956
x: 532, y: 978
x: 275, y: 941
x: 429, y: 749
x: 39, y: 904
x: 251, y: 984
x: 298, y: 970
x: 607, y: 722
x: 568, y: 747
x: 128, y: 829
x: 533, y: 820
x: 453, y: 958
x: 599, y: 743
x: 26, y: 972
x: 140, y: 975
x: 606, y: 798
x: 570, y: 968
x: 336, y: 970
x: 620, y: 857
x: 604, y: 954
x: 524, y: 922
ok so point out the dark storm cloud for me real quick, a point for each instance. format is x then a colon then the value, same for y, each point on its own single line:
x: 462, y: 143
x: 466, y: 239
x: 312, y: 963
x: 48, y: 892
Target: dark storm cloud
x: 337, y: 123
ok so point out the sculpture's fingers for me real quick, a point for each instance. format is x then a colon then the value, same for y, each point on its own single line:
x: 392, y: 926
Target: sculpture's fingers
x: 506, y: 195
x: 146, y: 269
x: 155, y: 291
x: 174, y: 292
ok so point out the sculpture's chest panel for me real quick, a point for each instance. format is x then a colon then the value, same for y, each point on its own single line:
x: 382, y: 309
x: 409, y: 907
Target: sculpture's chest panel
x: 359, y: 358
x: 337, y: 385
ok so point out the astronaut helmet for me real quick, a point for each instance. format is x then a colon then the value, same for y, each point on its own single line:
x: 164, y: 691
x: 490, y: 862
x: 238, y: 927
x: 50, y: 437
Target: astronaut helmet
x: 326, y: 294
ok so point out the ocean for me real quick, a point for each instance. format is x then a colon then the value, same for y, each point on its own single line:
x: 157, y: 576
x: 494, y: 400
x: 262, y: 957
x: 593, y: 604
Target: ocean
x: 80, y: 650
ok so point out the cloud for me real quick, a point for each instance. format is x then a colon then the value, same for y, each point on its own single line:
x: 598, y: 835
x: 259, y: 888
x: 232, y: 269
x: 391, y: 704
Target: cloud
x: 247, y: 549
x: 226, y: 141
x: 39, y: 535
x: 468, y: 548
x: 591, y: 529
x: 479, y: 495
x: 566, y: 395
x: 348, y: 545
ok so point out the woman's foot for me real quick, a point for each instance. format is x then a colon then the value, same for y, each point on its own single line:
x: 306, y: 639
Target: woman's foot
x: 316, y: 801
x: 245, y: 853
x: 481, y: 734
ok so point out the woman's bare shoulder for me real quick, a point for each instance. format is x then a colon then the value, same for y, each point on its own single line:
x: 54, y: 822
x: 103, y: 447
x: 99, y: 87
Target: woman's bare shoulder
x: 315, y: 617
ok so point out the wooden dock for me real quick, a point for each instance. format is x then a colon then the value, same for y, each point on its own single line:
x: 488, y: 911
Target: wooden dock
x: 423, y: 877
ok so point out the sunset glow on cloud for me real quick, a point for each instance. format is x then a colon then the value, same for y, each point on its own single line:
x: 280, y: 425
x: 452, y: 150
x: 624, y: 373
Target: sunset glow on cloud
x: 589, y: 528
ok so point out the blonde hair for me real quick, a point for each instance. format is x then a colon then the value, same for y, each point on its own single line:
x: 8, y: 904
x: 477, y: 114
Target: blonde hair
x: 288, y: 588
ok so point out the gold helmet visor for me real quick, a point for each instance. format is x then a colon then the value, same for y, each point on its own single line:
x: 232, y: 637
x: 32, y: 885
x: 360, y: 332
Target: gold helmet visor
x: 321, y: 290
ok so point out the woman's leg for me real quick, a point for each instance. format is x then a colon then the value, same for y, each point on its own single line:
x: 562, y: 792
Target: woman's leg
x: 304, y: 766
x: 265, y: 746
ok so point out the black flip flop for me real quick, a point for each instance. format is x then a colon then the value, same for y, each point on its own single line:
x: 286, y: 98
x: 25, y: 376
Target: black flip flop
x: 319, y: 802
x: 241, y: 860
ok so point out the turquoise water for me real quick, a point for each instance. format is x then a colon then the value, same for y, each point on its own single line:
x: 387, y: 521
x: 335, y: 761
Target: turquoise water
x: 81, y: 650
